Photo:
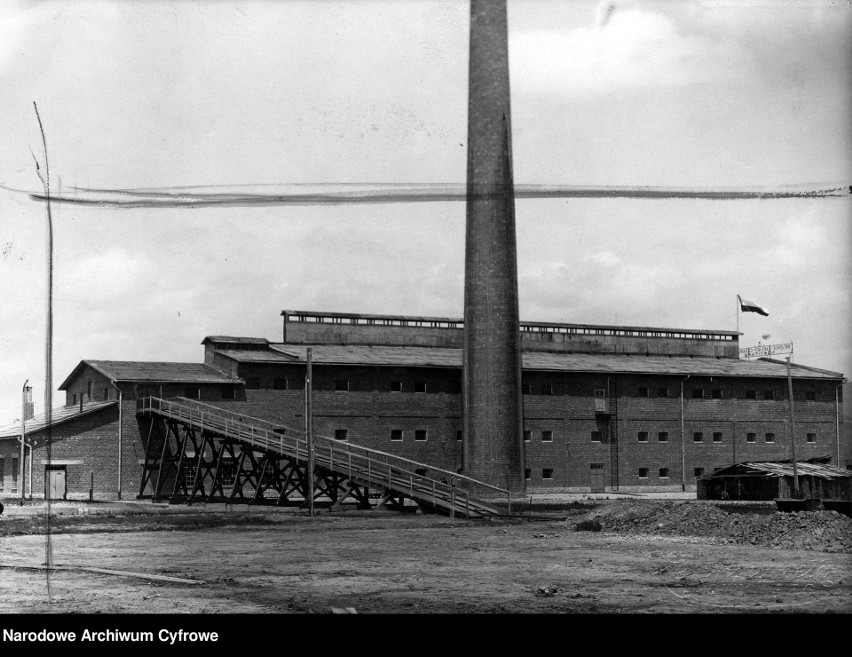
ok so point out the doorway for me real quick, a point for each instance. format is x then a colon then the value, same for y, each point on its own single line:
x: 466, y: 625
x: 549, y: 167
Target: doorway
x: 55, y: 483
x: 597, y: 477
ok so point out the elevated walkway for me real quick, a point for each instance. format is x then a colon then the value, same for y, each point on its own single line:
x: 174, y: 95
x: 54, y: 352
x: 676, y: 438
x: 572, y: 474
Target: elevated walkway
x: 199, y: 452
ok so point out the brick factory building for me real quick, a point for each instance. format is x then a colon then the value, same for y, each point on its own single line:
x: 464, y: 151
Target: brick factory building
x: 605, y: 408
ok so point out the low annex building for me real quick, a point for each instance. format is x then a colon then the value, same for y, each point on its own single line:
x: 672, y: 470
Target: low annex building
x: 606, y: 408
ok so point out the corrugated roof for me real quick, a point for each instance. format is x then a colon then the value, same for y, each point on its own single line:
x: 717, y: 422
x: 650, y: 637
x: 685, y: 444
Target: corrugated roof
x: 234, y: 339
x: 257, y: 356
x: 58, y: 416
x: 784, y: 469
x: 153, y: 372
x: 557, y: 362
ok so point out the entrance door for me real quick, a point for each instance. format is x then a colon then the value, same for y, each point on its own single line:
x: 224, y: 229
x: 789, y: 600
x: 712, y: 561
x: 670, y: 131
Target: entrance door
x: 56, y: 484
x: 597, y: 475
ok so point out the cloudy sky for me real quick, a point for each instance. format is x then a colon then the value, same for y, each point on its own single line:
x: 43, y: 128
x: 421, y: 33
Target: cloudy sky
x: 154, y: 94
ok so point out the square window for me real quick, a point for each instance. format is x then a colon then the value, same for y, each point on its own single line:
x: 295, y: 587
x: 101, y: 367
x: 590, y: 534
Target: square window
x: 459, y: 435
x: 547, y: 473
x: 810, y: 395
x: 396, y: 434
x: 396, y: 386
x: 769, y: 394
x: 717, y: 393
x: 664, y: 473
x: 699, y: 472
x: 698, y: 393
x: 420, y: 434
x: 279, y: 384
x: 596, y: 436
x: 643, y: 473
x: 751, y: 394
x: 527, y: 436
x: 527, y: 473
x: 643, y: 392
x: 340, y: 434
x: 663, y: 436
x: 252, y: 383
x: 228, y: 392
x: 642, y: 436
x: 662, y: 392
x: 751, y: 437
x: 770, y: 437
x: 341, y: 385
x: 191, y: 392
x: 547, y: 436
x: 811, y: 437
x: 697, y: 437
x: 420, y: 471
x: 547, y: 389
x: 526, y: 389
x: 717, y: 437
x: 419, y: 386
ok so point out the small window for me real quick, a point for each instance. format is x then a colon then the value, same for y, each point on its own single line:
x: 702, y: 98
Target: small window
x: 420, y: 471
x: 420, y: 434
x: 419, y: 386
x: 396, y: 434
x: 642, y: 436
x: 74, y: 399
x: 527, y: 473
x: 643, y: 473
x: 662, y: 392
x: 751, y: 394
x: 811, y: 437
x: 810, y: 395
x: 717, y: 393
x: 699, y: 472
x: 228, y: 392
x: 191, y: 392
x: 396, y: 386
x: 596, y: 436
x: 252, y: 383
x: 717, y: 436
x: 459, y: 435
x: 279, y: 384
x: 663, y: 436
x: 769, y: 394
x: 527, y: 436
x: 547, y: 389
x: 547, y: 436
x: 340, y: 434
x: 697, y: 437
x: 89, y: 390
x: 106, y: 394
x: 770, y: 437
x: 664, y: 473
x: 341, y: 386
x: 643, y: 392
x: 751, y: 437
x: 526, y: 389
x: 547, y: 473
x: 698, y: 393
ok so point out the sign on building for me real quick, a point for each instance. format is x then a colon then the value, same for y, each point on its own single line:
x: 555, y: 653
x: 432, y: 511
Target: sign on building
x: 767, y: 350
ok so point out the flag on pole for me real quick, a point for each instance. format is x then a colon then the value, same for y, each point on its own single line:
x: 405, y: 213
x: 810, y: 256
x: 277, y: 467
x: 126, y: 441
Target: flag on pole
x: 750, y: 307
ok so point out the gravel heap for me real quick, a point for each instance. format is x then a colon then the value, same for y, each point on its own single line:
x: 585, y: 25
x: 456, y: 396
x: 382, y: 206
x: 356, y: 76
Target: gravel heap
x: 825, y: 531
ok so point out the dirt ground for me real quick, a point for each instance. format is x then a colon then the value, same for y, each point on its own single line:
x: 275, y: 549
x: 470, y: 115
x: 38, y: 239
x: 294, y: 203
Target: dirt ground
x: 386, y: 562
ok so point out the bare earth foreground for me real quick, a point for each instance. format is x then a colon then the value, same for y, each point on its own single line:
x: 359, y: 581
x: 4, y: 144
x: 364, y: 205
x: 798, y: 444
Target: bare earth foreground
x: 273, y: 561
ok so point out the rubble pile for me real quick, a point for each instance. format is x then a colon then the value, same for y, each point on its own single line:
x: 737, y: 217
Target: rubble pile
x: 825, y: 531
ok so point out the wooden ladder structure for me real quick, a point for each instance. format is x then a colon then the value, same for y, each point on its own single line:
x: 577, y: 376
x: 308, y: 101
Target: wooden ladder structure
x: 198, y: 452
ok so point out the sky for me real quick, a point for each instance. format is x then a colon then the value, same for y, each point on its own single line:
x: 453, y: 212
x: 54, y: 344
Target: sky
x: 178, y: 93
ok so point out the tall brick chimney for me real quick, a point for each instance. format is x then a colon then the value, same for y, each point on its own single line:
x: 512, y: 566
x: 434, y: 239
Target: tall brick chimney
x: 493, y: 435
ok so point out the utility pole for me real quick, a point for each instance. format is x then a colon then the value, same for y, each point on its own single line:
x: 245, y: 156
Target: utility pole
x: 792, y: 431
x: 26, y: 398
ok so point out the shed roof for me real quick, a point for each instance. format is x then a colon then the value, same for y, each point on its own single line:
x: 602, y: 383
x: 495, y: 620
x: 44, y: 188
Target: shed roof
x: 545, y: 361
x: 234, y: 339
x: 782, y: 469
x: 57, y: 416
x: 152, y: 372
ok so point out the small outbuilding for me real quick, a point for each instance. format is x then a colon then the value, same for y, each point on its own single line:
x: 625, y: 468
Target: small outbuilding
x: 768, y: 480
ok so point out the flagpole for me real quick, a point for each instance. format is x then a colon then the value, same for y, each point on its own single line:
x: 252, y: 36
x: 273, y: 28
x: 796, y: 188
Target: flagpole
x: 738, y: 319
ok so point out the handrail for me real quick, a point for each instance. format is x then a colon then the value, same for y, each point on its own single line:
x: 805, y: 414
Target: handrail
x: 351, y: 446
x: 363, y: 459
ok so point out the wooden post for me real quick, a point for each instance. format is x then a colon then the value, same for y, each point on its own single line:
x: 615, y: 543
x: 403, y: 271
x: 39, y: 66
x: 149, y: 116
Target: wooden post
x: 309, y: 431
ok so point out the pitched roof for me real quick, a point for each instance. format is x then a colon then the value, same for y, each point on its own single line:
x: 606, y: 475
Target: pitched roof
x: 556, y: 362
x: 783, y: 469
x: 242, y: 356
x: 152, y: 372
x: 57, y: 416
x: 234, y: 340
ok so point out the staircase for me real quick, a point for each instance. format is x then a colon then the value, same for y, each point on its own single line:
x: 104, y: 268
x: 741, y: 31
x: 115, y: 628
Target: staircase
x: 353, y: 468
